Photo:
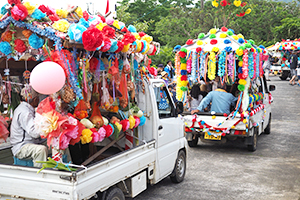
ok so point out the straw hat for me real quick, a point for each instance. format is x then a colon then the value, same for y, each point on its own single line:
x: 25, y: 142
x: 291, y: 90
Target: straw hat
x: 163, y: 73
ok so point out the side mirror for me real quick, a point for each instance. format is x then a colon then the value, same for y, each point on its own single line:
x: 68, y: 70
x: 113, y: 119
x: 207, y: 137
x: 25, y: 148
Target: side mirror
x: 272, y: 87
x: 179, y: 107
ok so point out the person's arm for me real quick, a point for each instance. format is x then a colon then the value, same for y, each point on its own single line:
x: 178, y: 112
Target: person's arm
x: 166, y: 69
x: 27, y: 123
x: 204, y: 103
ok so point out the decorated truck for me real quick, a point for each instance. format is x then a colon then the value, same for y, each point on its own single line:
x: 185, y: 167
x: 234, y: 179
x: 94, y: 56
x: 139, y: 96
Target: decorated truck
x: 100, y: 111
x: 236, y: 62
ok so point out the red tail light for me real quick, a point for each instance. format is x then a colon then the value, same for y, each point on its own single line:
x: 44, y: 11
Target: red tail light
x: 239, y: 132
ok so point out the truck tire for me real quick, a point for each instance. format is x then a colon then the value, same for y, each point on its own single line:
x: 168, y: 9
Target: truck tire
x: 178, y: 173
x: 268, y: 128
x: 253, y: 139
x: 283, y: 77
x: 193, y: 142
x: 114, y: 193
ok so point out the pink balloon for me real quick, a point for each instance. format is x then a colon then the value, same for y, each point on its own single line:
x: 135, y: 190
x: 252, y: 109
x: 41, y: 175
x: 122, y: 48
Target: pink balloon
x: 47, y: 77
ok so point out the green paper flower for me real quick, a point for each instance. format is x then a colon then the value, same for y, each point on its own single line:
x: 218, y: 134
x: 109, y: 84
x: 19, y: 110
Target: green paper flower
x: 201, y: 35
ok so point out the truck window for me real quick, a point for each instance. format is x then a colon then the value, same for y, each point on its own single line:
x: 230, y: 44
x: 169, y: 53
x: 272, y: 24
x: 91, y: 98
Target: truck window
x: 164, y: 102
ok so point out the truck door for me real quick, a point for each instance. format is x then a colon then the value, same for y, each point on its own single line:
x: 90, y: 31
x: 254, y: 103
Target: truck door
x: 169, y: 127
x: 265, y: 90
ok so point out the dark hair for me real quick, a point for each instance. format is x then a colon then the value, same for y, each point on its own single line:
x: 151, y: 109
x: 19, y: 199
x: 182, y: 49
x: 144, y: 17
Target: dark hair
x: 160, y: 65
x: 169, y: 61
x: 195, y: 91
x: 221, y: 86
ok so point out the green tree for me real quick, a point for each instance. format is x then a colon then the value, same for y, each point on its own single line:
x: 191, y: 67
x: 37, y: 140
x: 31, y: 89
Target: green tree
x: 289, y: 29
x: 166, y: 53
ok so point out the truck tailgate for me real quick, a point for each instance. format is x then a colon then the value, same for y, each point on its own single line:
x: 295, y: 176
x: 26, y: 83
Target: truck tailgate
x: 53, y: 184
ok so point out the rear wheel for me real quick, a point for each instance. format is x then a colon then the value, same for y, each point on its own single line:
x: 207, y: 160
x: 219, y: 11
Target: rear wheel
x: 178, y: 173
x: 268, y: 128
x: 283, y: 77
x: 114, y: 193
x: 193, y: 142
x: 252, y: 146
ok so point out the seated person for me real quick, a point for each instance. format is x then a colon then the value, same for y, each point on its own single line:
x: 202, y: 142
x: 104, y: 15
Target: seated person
x: 195, y: 97
x: 24, y: 136
x: 220, y: 100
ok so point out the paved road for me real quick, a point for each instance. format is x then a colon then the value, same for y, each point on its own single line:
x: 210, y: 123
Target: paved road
x: 229, y: 171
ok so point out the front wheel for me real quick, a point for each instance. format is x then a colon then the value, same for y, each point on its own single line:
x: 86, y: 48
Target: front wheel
x: 178, y: 173
x: 268, y: 128
x: 283, y: 78
x: 253, y: 144
x: 114, y: 193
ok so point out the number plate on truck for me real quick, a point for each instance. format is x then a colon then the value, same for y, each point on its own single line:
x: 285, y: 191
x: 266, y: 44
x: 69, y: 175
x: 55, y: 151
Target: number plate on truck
x: 211, y: 137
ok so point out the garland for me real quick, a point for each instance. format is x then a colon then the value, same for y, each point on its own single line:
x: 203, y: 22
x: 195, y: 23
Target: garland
x: 230, y: 69
x: 245, y: 65
x: 177, y: 64
x: 254, y: 65
x: 182, y: 80
x: 194, y: 66
x: 221, y: 66
x: 257, y: 64
x: 251, y: 65
x: 202, y: 64
x: 212, y: 66
x: 261, y: 71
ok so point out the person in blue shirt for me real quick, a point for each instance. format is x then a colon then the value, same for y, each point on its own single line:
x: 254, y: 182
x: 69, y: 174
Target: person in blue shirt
x: 169, y: 69
x: 220, y: 101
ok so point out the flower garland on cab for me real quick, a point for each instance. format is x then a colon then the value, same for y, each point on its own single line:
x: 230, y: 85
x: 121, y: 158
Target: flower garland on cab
x: 231, y: 68
x: 254, y: 65
x: 222, y: 66
x: 177, y: 64
x: 194, y: 66
x: 202, y: 65
x: 244, y: 74
x: 261, y: 71
x: 212, y: 66
x: 251, y: 65
x: 182, y: 78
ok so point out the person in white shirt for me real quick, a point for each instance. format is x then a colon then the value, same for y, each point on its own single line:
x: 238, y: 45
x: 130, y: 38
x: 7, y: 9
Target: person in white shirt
x: 24, y: 136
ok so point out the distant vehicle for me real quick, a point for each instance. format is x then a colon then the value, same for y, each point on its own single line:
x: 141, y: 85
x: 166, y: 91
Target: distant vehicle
x: 276, y: 69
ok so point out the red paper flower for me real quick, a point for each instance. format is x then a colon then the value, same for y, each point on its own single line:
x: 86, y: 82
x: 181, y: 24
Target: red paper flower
x: 86, y: 15
x: 124, y: 29
x: 92, y: 38
x: 183, y: 78
x: 102, y: 18
x: 19, y: 12
x: 198, y: 49
x: 7, y: 36
x: 241, y: 14
x: 141, y: 34
x: 108, y: 32
x: 120, y: 46
x: 142, y: 46
x: 224, y: 29
x: 243, y: 4
x: 128, y: 38
x: 240, y: 76
x: 46, y: 10
x: 93, y: 64
x: 154, y: 51
x: 108, y: 129
x: 189, y: 42
x: 107, y: 45
x: 20, y: 46
x: 252, y: 49
x: 283, y: 59
x: 182, y: 54
x: 14, y: 2
x: 223, y: 3
x: 54, y: 18
x: 213, y: 41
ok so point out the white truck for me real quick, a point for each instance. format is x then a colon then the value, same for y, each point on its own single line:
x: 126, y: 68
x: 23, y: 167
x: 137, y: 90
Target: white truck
x: 161, y: 153
x: 217, y: 128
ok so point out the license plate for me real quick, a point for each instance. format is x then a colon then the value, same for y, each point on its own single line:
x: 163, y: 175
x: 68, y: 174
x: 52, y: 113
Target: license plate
x: 211, y: 137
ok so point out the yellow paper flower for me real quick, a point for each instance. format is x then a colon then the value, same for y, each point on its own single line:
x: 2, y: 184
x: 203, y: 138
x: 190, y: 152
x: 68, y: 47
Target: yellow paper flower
x: 62, y: 13
x: 29, y: 7
x: 138, y: 46
x: 245, y: 121
x: 239, y: 52
x: 235, y: 37
x: 213, y: 31
x: 240, y: 63
x: 136, y: 35
x: 242, y: 82
x: 131, y: 122
x: 215, y: 49
x: 213, y: 117
x: 50, y: 123
x: 248, y: 11
x: 100, y: 26
x: 86, y: 136
x: 147, y: 49
x: 61, y: 25
x: 126, y: 48
x: 223, y: 35
x: 79, y: 12
x: 116, y: 24
x: 215, y: 4
x: 237, y: 3
x: 292, y: 48
x: 240, y: 36
x: 147, y: 38
x: 184, y: 83
x: 183, y: 66
x: 119, y: 126
x: 199, y: 42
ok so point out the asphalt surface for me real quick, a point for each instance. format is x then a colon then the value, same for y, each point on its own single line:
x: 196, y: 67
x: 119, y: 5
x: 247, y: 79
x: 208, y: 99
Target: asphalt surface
x: 230, y: 171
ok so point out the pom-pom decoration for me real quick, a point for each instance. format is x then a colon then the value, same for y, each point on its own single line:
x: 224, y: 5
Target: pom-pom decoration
x: 189, y: 42
x: 62, y: 13
x: 20, y: 46
x: 61, y: 25
x: 128, y: 38
x: 198, y: 49
x: 14, y: 2
x: 86, y: 136
x: 35, y: 41
x: 5, y: 48
x: 6, y: 36
x: 213, y: 41
x: 19, y: 12
x: 92, y: 38
x: 29, y: 7
x: 108, y: 32
x: 107, y: 45
x: 38, y: 14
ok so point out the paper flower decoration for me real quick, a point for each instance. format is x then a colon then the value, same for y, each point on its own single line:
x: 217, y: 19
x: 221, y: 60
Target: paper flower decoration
x: 47, y: 10
x: 213, y: 41
x: 189, y: 42
x: 92, y: 38
x: 54, y: 18
x: 35, y: 41
x: 19, y: 12
x: 237, y: 3
x: 132, y: 29
x: 79, y: 12
x: 86, y: 136
x: 223, y: 3
x: 108, y: 32
x: 128, y: 38
x: 6, y: 36
x: 20, y: 46
x: 248, y: 11
x: 215, y: 4
x: 29, y: 7
x: 38, y: 14
x: 5, y: 48
x: 14, y: 2
x: 75, y: 32
x: 114, y: 46
x: 61, y: 25
x: 198, y: 49
x: 107, y: 44
x: 62, y: 13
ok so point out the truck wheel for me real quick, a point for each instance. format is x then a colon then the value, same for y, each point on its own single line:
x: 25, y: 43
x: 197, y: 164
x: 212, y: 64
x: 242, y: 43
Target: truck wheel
x: 179, y: 170
x: 283, y: 78
x: 253, y: 139
x: 268, y: 128
x: 114, y: 193
x: 193, y: 142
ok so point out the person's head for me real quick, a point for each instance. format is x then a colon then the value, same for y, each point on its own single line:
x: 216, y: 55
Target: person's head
x: 30, y: 95
x: 220, y: 86
x: 164, y: 74
x: 195, y: 91
x: 203, y: 88
x: 169, y: 63
x: 170, y: 87
x: 160, y: 66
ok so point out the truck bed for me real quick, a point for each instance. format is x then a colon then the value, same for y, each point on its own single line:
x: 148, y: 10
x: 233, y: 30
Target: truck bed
x: 18, y: 181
